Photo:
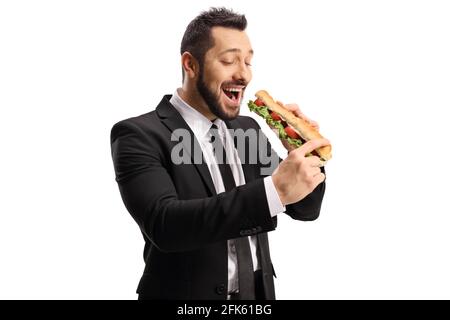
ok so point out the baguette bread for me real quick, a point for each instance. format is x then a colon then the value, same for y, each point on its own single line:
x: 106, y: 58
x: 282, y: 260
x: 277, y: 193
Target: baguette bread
x: 304, y: 129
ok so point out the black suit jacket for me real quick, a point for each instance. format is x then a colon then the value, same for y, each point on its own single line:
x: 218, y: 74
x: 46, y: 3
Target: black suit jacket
x: 184, y: 222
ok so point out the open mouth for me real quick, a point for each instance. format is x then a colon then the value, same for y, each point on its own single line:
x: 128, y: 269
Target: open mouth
x: 234, y: 94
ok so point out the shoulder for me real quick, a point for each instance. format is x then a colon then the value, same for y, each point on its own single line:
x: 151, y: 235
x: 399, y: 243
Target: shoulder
x: 137, y: 124
x: 247, y: 122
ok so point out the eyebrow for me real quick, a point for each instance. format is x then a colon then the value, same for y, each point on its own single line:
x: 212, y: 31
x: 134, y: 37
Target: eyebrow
x: 235, y: 50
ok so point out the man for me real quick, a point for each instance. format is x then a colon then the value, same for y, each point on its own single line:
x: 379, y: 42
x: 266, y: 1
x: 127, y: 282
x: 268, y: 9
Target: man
x: 205, y: 222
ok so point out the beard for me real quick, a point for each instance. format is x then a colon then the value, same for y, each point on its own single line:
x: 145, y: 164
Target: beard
x: 212, y: 100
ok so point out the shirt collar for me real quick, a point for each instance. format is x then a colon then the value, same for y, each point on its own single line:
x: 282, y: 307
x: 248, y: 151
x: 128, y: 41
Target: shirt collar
x: 198, y: 123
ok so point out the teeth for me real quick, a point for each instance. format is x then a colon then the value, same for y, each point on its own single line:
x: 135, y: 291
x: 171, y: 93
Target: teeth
x: 232, y: 89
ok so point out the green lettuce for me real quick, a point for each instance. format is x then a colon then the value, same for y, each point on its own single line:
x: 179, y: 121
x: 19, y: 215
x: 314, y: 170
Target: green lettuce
x: 265, y: 113
x: 295, y: 142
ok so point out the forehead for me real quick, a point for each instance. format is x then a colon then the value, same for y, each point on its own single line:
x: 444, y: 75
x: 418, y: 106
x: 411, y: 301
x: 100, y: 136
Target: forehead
x: 227, y: 38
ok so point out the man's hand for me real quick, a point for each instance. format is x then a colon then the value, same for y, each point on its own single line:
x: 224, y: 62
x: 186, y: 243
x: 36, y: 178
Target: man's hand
x: 298, y: 175
x: 295, y: 109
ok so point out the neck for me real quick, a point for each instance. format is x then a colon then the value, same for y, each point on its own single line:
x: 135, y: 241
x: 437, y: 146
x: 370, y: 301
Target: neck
x: 192, y: 97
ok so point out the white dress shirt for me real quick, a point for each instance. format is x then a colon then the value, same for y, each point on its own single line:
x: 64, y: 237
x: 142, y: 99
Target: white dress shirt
x: 201, y: 125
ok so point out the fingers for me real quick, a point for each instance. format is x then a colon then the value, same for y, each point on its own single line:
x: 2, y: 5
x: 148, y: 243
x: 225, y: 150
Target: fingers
x: 318, y: 179
x: 314, y: 161
x: 310, y: 146
x: 314, y: 178
x: 296, y: 110
x: 315, y: 171
x: 314, y: 124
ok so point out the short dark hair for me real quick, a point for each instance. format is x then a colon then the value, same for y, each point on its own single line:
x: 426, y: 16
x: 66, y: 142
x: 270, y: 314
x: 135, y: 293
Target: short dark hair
x: 197, y: 38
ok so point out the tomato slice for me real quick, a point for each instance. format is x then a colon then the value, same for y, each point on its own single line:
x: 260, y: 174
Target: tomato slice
x: 259, y: 102
x: 275, y: 116
x: 291, y: 133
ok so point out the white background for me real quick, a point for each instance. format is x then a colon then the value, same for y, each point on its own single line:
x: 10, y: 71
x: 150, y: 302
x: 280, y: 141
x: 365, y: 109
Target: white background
x: 374, y: 74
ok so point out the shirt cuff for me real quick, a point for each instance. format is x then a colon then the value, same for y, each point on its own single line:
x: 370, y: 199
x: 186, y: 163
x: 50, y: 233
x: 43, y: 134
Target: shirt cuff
x: 273, y: 199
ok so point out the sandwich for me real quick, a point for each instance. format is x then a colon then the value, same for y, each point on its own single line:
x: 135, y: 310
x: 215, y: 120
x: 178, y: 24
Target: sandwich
x: 291, y: 128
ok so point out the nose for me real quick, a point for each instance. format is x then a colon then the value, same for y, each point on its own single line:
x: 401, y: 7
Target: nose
x: 243, y: 73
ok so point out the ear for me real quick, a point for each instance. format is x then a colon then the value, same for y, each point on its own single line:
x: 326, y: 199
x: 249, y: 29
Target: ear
x: 190, y: 65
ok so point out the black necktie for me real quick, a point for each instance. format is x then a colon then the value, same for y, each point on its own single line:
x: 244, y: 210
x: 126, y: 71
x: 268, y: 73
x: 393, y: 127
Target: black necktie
x: 243, y: 253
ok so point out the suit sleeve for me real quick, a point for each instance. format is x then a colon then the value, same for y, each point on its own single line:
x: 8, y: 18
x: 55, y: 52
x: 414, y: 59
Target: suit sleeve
x: 175, y: 225
x: 308, y: 208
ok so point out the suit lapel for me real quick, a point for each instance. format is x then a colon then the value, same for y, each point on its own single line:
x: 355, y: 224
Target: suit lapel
x: 173, y: 120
